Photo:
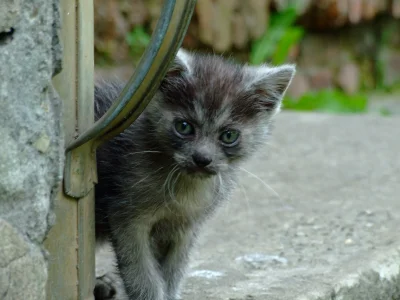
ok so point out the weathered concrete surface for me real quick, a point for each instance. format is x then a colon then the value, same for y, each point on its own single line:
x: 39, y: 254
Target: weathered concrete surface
x: 328, y: 225
x: 319, y: 219
x: 31, y: 148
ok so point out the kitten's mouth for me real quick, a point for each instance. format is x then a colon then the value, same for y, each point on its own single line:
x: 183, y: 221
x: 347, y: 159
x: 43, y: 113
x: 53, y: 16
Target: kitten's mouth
x: 194, y: 170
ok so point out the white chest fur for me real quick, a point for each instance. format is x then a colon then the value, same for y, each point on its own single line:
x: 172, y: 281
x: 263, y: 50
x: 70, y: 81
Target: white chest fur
x: 191, y: 198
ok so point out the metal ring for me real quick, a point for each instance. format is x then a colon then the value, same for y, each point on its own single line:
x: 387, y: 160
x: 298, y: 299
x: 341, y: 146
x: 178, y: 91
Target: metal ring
x: 165, y: 42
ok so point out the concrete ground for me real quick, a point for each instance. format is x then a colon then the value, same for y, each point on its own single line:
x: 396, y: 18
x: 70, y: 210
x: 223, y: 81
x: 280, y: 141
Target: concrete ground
x: 315, y: 216
x: 318, y: 219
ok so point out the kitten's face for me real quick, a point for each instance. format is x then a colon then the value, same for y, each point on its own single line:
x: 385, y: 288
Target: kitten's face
x: 210, y: 114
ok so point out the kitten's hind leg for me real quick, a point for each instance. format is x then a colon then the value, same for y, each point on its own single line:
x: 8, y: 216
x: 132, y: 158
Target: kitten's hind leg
x: 109, y: 285
x: 105, y: 288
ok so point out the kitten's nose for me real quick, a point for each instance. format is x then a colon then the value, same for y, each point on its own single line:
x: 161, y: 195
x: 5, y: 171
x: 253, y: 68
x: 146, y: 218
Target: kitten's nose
x: 201, y: 160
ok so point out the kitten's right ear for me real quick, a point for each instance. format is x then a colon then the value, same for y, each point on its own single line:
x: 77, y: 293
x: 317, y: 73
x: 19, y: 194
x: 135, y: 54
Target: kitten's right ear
x: 180, y: 65
x: 270, y: 85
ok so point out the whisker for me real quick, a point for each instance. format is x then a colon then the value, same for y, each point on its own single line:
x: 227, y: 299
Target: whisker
x: 141, y: 152
x: 243, y: 190
x: 165, y: 185
x: 148, y: 151
x: 171, y: 191
x: 169, y: 174
x: 260, y: 180
x: 218, y: 189
x: 144, y: 178
x: 220, y: 179
x: 221, y: 165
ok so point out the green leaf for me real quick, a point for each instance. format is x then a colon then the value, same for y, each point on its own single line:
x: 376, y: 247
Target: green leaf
x: 331, y: 101
x: 284, y: 18
x: 291, y: 37
x: 137, y: 40
x: 138, y: 37
x: 278, y: 38
x: 263, y: 48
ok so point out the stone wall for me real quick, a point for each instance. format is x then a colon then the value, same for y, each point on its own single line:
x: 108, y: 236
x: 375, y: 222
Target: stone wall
x: 31, y: 147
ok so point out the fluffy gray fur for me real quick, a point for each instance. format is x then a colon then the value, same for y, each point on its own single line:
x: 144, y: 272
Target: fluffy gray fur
x: 152, y: 198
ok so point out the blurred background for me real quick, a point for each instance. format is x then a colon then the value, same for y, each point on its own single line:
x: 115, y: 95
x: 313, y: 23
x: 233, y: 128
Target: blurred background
x: 347, y: 51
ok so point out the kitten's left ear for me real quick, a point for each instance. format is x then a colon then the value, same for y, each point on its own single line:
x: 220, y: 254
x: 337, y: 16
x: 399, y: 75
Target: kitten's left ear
x: 180, y: 65
x: 270, y: 84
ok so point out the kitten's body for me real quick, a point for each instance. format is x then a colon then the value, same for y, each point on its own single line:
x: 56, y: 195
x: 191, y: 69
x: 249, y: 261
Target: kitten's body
x: 152, y: 198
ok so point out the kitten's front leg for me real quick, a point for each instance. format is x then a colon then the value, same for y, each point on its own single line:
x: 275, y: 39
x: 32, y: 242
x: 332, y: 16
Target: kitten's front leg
x: 137, y: 266
x: 175, y: 263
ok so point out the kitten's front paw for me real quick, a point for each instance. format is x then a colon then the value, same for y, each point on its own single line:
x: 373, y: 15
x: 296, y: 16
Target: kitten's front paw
x: 105, y: 288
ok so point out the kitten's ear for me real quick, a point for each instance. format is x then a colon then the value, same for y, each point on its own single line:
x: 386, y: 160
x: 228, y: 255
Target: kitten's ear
x: 270, y: 84
x: 180, y: 65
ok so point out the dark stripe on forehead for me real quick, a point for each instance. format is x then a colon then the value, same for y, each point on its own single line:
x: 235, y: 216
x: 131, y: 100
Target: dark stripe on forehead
x: 245, y: 106
x: 211, y: 83
x: 179, y: 91
x: 216, y: 81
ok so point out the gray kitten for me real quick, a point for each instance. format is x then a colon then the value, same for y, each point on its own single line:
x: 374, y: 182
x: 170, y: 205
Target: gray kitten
x: 165, y: 175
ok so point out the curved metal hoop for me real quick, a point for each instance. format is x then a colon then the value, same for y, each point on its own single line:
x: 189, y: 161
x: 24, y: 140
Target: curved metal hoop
x: 165, y: 42
x: 80, y: 165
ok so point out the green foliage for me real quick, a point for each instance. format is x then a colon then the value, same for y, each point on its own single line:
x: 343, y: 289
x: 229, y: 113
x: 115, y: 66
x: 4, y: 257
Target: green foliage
x: 331, y: 101
x: 137, y: 39
x: 278, y: 39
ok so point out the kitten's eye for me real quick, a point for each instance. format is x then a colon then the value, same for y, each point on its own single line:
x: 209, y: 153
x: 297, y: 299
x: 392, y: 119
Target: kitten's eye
x: 229, y: 137
x: 183, y: 127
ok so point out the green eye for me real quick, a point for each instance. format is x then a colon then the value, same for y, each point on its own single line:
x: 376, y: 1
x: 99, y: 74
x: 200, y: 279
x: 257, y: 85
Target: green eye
x: 183, y: 128
x: 229, y: 137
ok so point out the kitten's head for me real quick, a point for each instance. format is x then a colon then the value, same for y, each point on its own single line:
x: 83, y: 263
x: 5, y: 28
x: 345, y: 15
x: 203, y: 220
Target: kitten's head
x: 211, y: 114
